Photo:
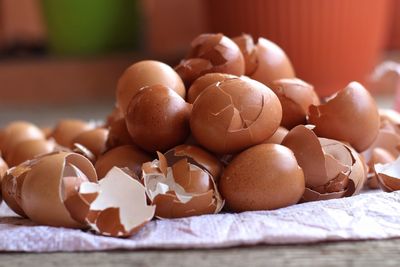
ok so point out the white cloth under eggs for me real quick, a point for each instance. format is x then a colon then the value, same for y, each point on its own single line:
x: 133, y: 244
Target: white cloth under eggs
x: 373, y: 215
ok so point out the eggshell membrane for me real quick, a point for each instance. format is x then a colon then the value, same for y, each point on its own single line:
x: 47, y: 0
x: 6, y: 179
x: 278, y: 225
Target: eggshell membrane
x: 296, y: 96
x: 350, y: 116
x: 196, y: 156
x: 235, y: 114
x: 123, y: 156
x: 29, y: 149
x: 19, y: 131
x: 146, y: 73
x: 265, y: 60
x: 277, y: 137
x: 158, y: 119
x: 94, y: 140
x: 67, y: 130
x: 211, y: 53
x: 203, y: 82
x: 118, y: 134
x: 388, y: 175
x: 197, y: 186
x: 263, y: 177
x: 41, y: 189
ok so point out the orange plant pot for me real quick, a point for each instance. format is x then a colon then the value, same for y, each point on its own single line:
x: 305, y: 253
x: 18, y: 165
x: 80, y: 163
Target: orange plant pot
x: 330, y: 42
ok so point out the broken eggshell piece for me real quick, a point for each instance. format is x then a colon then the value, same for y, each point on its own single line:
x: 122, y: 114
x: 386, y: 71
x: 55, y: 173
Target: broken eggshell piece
x: 331, y: 168
x: 388, y: 175
x: 181, y: 190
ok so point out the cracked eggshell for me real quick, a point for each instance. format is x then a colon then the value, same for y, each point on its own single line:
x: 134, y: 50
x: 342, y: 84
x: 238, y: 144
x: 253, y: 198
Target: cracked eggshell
x: 277, y: 137
x: 43, y: 188
x: 118, y: 134
x: 235, y: 114
x: 331, y: 168
x: 17, y: 132
x: 120, y: 208
x: 296, y: 96
x: 388, y: 175
x: 93, y: 140
x: 350, y: 116
x: 263, y: 177
x: 146, y: 73
x: 197, y: 156
x: 211, y: 53
x: 265, y: 60
x: 29, y: 149
x: 203, y: 82
x: 123, y: 157
x: 158, y: 119
x: 180, y: 190
x: 67, y: 130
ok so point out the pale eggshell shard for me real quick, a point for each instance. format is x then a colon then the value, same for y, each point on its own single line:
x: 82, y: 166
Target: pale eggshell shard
x: 235, y: 114
x: 120, y: 208
x: 181, y: 190
x: 351, y: 116
x: 296, y: 96
x: 28, y: 149
x: 389, y: 175
x: 146, y: 73
x: 211, y: 53
x: 92, y: 140
x: 67, y: 130
x: 265, y: 60
x: 277, y: 137
x: 41, y: 193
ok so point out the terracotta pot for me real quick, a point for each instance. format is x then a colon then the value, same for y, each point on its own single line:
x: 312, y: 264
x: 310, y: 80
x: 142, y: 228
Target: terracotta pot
x: 329, y: 42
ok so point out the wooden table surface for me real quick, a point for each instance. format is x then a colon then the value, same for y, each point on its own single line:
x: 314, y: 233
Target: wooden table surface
x: 352, y: 253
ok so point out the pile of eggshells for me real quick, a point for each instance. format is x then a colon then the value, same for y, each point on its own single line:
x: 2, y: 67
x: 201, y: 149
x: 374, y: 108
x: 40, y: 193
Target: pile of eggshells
x: 230, y: 128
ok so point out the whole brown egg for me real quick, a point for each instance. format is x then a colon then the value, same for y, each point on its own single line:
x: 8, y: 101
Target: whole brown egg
x: 67, y: 130
x: 146, y: 73
x: 263, y: 177
x: 158, y: 118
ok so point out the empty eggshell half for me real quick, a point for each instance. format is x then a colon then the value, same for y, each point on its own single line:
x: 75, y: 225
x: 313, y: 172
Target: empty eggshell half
x: 331, y: 168
x: 180, y: 190
x: 211, y: 53
x: 265, y: 60
x: 117, y: 206
x: 296, y: 96
x: 349, y: 116
x: 234, y: 114
x: 44, y: 187
x: 388, y: 175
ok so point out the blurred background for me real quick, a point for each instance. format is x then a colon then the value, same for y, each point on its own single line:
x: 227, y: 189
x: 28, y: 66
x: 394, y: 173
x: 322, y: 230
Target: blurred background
x: 63, y: 58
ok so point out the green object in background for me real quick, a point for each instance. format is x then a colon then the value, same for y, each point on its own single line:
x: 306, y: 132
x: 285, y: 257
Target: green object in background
x: 89, y: 27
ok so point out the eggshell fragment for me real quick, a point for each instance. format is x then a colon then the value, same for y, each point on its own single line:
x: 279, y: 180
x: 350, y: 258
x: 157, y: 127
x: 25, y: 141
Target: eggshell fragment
x: 200, y: 84
x: 182, y: 190
x: 277, y: 137
x: 331, y: 168
x: 211, y: 53
x: 389, y: 175
x: 146, y: 73
x: 296, y: 96
x: 262, y: 177
x: 120, y: 208
x: 67, y: 130
x: 350, y: 116
x: 157, y: 118
x: 265, y: 60
x: 42, y: 189
x: 29, y: 149
x: 123, y: 157
x: 235, y: 114
x: 92, y: 140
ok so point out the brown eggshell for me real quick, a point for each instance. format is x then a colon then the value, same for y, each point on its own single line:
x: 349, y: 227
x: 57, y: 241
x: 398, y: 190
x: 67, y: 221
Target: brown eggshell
x: 211, y: 53
x: 47, y: 131
x: 123, y: 156
x: 146, y: 73
x: 93, y: 140
x: 277, y: 137
x: 3, y: 167
x: 42, y: 189
x: 67, y: 130
x: 350, y: 116
x: 296, y: 96
x: 118, y: 134
x: 115, y: 115
x: 235, y: 114
x: 203, y: 82
x: 19, y: 131
x: 196, y: 156
x: 158, y: 119
x: 388, y: 175
x: 29, y: 149
x: 265, y: 60
x: 263, y: 177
